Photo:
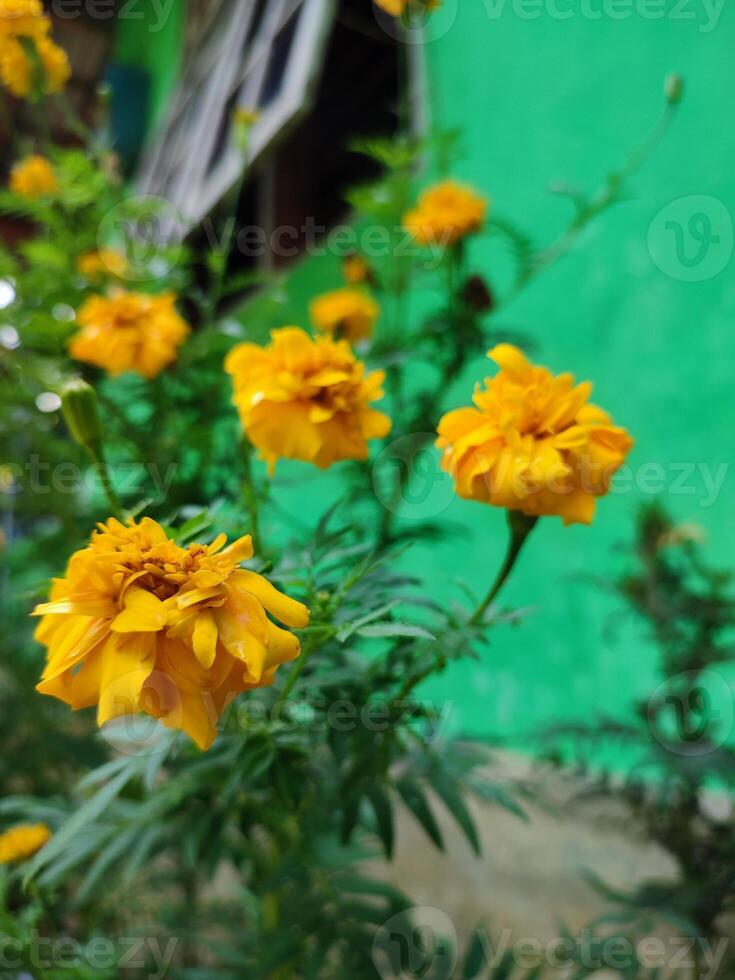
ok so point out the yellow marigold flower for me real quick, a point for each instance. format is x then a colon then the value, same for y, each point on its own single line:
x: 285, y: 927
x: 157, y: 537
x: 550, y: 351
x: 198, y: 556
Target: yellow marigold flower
x: 445, y: 213
x: 533, y: 443
x: 129, y: 332
x: 356, y: 270
x: 140, y: 624
x: 23, y: 842
x: 32, y: 178
x: 307, y: 399
x: 102, y: 263
x: 397, y: 7
x: 23, y: 18
x: 350, y: 313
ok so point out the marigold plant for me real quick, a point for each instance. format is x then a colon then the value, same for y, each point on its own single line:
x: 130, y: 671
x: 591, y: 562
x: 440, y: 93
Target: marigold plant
x: 129, y: 332
x: 533, y: 443
x: 306, y: 399
x: 141, y: 624
x: 348, y: 313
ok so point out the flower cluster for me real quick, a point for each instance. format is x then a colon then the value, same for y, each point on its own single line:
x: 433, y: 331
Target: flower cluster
x: 30, y: 62
x: 141, y: 624
x: 33, y: 178
x: 306, y: 399
x: 446, y: 213
x: 129, y: 332
x: 349, y: 313
x: 22, y: 842
x: 533, y: 443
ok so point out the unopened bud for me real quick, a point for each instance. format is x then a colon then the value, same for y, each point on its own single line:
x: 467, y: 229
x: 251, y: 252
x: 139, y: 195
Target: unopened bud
x: 477, y: 295
x: 674, y: 89
x: 81, y: 413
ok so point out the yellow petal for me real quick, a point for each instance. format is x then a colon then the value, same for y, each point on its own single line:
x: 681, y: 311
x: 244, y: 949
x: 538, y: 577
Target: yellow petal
x: 205, y: 638
x: 288, y: 610
x: 143, y: 613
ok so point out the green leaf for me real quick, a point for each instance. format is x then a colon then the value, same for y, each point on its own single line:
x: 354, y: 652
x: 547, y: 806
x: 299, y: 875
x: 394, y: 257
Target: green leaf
x: 386, y: 630
x: 76, y: 824
x: 449, y: 792
x: 415, y: 799
x: 383, y: 809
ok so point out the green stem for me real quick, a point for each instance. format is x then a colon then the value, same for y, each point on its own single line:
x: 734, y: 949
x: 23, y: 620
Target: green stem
x: 102, y: 469
x: 250, y: 492
x: 520, y: 527
x: 309, y: 647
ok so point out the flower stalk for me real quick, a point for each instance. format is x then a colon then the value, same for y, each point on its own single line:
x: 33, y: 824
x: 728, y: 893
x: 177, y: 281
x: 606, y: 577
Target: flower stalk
x: 520, y: 526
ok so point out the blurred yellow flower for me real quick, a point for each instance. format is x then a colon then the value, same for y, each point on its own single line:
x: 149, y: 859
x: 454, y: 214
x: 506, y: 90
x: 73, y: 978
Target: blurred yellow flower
x: 533, y: 443
x: 23, y: 18
x: 129, y: 332
x: 349, y: 313
x: 397, y: 7
x: 23, y: 23
x: 102, y: 263
x: 356, y: 270
x: 141, y: 624
x: 445, y: 213
x: 307, y: 399
x: 23, y: 842
x: 245, y: 117
x: 32, y: 178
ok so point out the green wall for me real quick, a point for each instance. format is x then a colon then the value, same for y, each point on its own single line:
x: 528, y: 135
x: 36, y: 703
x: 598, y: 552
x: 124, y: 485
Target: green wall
x: 540, y: 99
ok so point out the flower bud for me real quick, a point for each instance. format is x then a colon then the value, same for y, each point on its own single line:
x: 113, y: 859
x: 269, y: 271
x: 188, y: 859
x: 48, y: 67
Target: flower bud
x: 477, y: 295
x: 81, y: 414
x: 674, y: 89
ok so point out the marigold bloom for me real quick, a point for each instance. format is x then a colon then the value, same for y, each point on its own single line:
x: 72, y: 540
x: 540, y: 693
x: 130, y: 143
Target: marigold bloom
x: 307, y: 399
x: 24, y: 22
x: 23, y: 842
x: 445, y: 213
x: 533, y: 443
x: 17, y: 69
x: 349, y: 313
x: 23, y: 18
x: 129, y: 332
x: 32, y: 178
x: 140, y: 624
x: 103, y: 263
